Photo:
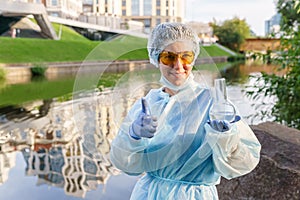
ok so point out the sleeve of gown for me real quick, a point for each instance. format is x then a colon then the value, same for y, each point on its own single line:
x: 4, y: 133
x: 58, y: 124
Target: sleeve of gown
x: 235, y: 152
x: 127, y: 153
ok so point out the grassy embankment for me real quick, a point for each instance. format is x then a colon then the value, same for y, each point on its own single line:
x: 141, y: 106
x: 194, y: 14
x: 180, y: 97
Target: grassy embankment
x: 74, y: 47
x: 71, y: 47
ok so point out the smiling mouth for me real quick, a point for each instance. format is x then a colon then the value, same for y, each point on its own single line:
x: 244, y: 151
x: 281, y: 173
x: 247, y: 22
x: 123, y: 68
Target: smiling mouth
x: 178, y: 74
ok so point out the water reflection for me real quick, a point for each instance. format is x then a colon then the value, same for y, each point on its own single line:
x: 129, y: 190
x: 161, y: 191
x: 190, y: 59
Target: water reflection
x: 68, y: 166
x: 66, y: 144
x: 59, y: 150
x: 242, y: 78
x: 238, y: 73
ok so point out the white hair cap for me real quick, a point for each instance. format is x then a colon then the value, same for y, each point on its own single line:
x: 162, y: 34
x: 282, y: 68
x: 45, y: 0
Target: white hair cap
x: 167, y: 33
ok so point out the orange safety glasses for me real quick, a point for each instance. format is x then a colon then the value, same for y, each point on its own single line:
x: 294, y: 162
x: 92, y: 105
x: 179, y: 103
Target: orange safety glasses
x: 169, y: 58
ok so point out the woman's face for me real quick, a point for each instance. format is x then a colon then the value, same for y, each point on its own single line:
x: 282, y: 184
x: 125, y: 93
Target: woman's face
x: 177, y: 72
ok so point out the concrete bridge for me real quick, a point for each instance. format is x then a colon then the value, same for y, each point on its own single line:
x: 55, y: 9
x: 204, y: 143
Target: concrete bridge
x: 260, y: 44
x: 103, y: 29
x: 11, y: 11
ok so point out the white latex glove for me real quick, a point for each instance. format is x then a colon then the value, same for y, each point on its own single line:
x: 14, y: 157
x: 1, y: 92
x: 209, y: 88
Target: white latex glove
x: 145, y: 125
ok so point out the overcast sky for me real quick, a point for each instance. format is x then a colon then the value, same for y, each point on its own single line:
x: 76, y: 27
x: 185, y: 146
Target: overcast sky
x: 256, y: 12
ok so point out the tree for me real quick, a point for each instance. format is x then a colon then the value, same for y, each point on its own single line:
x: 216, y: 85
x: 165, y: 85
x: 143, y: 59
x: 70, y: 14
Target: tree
x: 290, y: 11
x: 232, y: 33
x: 286, y: 88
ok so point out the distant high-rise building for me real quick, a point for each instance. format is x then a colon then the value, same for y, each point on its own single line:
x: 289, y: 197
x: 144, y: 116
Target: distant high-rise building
x: 272, y: 26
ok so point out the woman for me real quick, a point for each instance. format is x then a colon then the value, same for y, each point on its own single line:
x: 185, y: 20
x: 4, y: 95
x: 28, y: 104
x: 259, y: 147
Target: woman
x: 167, y: 135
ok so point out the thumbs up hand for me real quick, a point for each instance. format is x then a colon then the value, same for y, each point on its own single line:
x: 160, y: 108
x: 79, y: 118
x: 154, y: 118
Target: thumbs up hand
x: 145, y: 125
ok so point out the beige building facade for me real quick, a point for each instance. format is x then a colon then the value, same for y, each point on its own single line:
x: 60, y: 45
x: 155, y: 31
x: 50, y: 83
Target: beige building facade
x: 69, y: 9
x: 148, y: 12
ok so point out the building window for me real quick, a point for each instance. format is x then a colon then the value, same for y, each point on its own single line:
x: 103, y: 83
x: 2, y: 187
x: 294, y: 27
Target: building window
x: 167, y: 3
x: 167, y: 12
x: 158, y: 12
x: 54, y: 2
x: 123, y: 12
x: 158, y: 21
x: 157, y: 2
x: 123, y: 2
x: 148, y: 7
x: 135, y: 5
x: 147, y: 22
x: 54, y: 14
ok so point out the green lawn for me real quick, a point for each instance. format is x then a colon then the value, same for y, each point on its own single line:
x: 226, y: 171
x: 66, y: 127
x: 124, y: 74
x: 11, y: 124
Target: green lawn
x: 23, y: 50
x: 74, y: 47
x: 68, y: 33
x: 212, y: 51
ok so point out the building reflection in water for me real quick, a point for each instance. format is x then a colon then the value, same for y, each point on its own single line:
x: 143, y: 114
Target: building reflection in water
x: 59, y: 149
x: 67, y: 144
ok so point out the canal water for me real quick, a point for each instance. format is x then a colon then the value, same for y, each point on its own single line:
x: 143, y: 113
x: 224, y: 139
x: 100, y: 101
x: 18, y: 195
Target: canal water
x: 58, y: 148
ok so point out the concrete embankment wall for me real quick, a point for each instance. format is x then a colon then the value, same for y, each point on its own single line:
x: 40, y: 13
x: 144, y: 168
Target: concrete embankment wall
x: 22, y: 73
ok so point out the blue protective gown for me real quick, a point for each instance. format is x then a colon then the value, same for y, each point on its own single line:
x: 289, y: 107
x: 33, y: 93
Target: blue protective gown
x: 186, y: 157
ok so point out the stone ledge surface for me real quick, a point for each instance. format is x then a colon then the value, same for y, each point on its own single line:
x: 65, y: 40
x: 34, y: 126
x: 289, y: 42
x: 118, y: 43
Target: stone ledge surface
x: 277, y: 176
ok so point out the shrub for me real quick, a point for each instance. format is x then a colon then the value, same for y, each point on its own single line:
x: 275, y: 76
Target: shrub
x: 38, y: 70
x: 236, y: 58
x: 284, y: 88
